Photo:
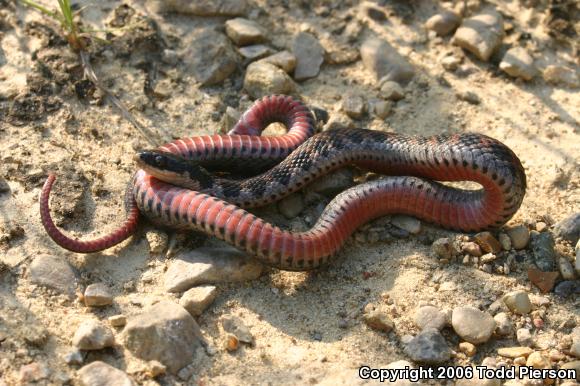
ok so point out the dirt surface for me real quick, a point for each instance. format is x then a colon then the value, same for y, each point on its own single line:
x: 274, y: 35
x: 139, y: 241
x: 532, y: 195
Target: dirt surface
x: 307, y: 327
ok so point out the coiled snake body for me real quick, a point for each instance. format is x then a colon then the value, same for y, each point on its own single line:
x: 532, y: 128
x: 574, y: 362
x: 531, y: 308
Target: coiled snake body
x: 214, y: 204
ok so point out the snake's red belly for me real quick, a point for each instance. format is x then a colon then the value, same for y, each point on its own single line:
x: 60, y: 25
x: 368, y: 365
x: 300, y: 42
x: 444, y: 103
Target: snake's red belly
x: 415, y: 163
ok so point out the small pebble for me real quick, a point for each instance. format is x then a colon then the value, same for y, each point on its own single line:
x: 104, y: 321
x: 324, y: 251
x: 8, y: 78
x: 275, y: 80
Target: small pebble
x: 392, y: 91
x: 443, y: 248
x: 504, y: 324
x: 230, y: 118
x: 443, y: 23
x: 505, y: 241
x: 514, y: 352
x: 284, y: 60
x: 99, y: 374
x: 383, y: 60
x: 430, y: 317
x: 519, y: 236
x: 232, y: 342
x: 545, y: 281
x: 488, y: 258
x: 561, y: 75
x: 566, y: 269
x: 354, y: 106
x: 480, y: 34
x: 538, y: 361
x: 524, y: 337
x: 382, y: 109
x: 254, y: 52
x: 518, y: 63
x: 265, y: 79
x: 379, y: 320
x: 236, y: 326
x: 93, y: 335
x: 472, y: 325
x: 309, y: 56
x: 243, y: 31
x: 472, y: 248
x: 541, y: 226
x: 156, y: 368
x: 195, y: 300
x: 543, y: 250
x: 292, y: 205
x: 467, y: 348
x: 73, y: 357
x: 518, y: 302
x: 33, y: 372
x: 569, y: 228
x: 407, y: 223
x: 487, y: 242
x: 98, y: 295
x: 118, y: 320
x: 469, y: 97
x: 428, y: 347
x: 451, y: 63
x: 567, y: 287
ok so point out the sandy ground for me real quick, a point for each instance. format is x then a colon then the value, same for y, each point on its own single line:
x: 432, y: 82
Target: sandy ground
x: 91, y: 148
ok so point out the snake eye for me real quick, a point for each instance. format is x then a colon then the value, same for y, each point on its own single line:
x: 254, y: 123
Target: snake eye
x: 160, y: 161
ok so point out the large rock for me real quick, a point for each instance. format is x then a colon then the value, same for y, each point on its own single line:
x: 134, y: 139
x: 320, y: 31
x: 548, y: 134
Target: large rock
x: 101, y: 374
x: 264, y: 78
x: 210, y: 266
x: 480, y: 34
x: 53, y: 272
x: 164, y: 332
x: 309, y: 56
x: 211, y: 57
x: 200, y: 7
x: 383, y: 60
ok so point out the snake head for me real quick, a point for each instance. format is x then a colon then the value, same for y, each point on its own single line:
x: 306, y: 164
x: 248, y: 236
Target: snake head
x: 174, y: 170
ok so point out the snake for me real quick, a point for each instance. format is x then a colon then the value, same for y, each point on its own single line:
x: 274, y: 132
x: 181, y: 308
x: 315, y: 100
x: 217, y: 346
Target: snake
x: 177, y: 185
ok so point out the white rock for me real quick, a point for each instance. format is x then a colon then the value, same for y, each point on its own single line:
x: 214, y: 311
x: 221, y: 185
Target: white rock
x: 472, y: 325
x: 518, y: 302
x: 195, y: 300
x: 480, y: 34
x: 518, y: 63
x: 93, y: 335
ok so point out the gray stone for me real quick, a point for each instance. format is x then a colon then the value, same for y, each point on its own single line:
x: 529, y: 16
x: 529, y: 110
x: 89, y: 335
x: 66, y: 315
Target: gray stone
x: 518, y: 302
x: 200, y: 7
x: 230, y: 118
x: 210, y: 57
x: 561, y: 75
x: 504, y: 324
x: 428, y: 347
x: 243, y: 31
x: 471, y: 248
x: 569, y: 228
x: 118, y: 320
x: 443, y: 23
x: 384, y: 62
x: 518, y: 63
x: 392, y: 91
x: 309, y: 56
x: 237, y: 327
x: 472, y: 325
x: 53, y: 272
x: 354, y: 106
x: 524, y: 337
x: 543, y: 249
x: 566, y: 269
x: 333, y: 183
x: 408, y: 223
x: 505, y: 241
x: 284, y: 60
x: 265, y: 79
x: 430, y: 317
x: 209, y: 266
x: 101, y: 374
x: 519, y: 236
x: 195, y: 300
x: 480, y: 34
x: 291, y: 206
x: 164, y: 332
x: 93, y: 335
x: 98, y: 295
x: 254, y: 52
x: 4, y: 187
